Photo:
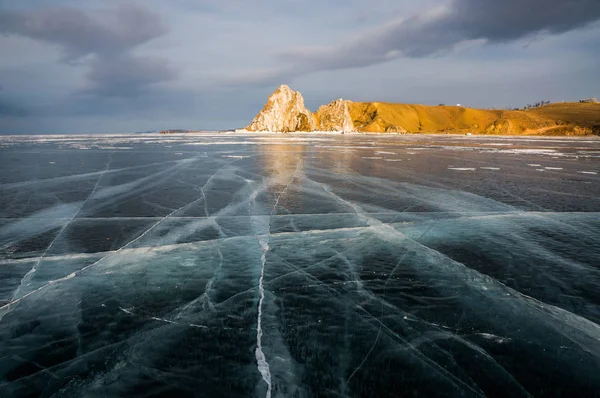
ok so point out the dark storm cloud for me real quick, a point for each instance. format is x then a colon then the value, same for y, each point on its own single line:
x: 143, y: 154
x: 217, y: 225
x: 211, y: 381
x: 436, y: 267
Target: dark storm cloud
x: 513, y: 19
x: 110, y: 36
x: 436, y: 31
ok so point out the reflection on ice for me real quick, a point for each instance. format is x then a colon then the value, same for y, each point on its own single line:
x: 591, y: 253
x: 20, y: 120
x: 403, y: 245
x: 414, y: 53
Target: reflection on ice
x: 303, y: 266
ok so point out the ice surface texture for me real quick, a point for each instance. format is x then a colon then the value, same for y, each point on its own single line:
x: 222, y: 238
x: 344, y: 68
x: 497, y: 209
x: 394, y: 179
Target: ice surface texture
x: 298, y: 266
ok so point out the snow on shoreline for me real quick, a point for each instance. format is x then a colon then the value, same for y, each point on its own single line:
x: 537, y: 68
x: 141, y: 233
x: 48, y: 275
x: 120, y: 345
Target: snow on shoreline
x: 592, y: 138
x: 215, y: 133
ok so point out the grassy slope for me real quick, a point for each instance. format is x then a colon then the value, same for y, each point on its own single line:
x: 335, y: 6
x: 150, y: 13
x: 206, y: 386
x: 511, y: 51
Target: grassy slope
x: 571, y: 112
x: 562, y: 118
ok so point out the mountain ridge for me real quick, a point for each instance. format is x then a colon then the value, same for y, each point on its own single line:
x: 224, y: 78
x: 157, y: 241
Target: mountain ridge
x: 285, y: 112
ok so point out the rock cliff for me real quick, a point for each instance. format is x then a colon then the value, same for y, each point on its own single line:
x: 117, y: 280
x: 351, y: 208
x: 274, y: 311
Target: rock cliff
x: 284, y: 112
x: 335, y: 116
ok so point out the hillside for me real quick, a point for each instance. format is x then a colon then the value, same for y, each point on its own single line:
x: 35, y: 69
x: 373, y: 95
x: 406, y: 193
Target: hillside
x: 582, y: 114
x: 562, y: 119
x: 285, y: 112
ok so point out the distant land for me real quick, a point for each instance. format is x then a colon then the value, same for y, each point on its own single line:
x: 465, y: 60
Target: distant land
x: 174, y: 131
x: 285, y: 112
x: 184, y: 131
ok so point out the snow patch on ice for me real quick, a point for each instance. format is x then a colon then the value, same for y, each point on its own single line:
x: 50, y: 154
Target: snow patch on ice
x: 493, y: 337
x: 528, y: 151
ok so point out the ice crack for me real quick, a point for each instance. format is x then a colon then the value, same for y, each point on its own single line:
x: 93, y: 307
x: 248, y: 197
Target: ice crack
x: 261, y: 360
x: 6, y: 307
x: 33, y: 269
x: 263, y: 240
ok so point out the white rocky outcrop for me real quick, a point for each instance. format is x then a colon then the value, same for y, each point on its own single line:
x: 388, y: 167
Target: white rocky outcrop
x: 284, y: 112
x: 335, y: 116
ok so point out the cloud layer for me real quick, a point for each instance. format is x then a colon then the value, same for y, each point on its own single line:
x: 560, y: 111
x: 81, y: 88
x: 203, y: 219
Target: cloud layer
x: 435, y: 31
x: 105, y: 41
x: 122, y: 65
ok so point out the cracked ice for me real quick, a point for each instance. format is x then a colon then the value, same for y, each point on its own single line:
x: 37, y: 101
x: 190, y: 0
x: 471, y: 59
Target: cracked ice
x: 299, y: 265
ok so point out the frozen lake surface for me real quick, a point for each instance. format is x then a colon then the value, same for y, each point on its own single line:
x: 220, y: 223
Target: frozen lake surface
x: 299, y: 266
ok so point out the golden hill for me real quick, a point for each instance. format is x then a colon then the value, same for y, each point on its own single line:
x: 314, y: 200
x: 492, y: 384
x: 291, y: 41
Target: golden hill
x: 285, y: 112
x: 553, y: 119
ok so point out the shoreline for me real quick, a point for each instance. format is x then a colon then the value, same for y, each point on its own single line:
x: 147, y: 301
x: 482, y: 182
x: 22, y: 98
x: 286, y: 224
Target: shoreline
x: 300, y: 133
x: 341, y: 133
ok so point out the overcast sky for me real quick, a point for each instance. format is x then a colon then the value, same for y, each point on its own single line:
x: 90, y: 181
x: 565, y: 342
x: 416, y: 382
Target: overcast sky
x: 112, y: 66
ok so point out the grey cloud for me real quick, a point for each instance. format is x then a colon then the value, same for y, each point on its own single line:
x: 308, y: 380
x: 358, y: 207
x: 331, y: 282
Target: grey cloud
x: 109, y: 36
x: 115, y: 76
x: 80, y: 34
x: 512, y: 19
x: 437, y: 31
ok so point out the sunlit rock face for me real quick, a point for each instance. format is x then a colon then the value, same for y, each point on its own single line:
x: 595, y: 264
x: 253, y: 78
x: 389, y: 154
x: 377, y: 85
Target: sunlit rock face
x: 335, y: 116
x: 285, y: 112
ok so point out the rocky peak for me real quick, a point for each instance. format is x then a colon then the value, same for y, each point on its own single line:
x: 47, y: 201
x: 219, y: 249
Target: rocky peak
x: 284, y: 111
x: 335, y: 116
